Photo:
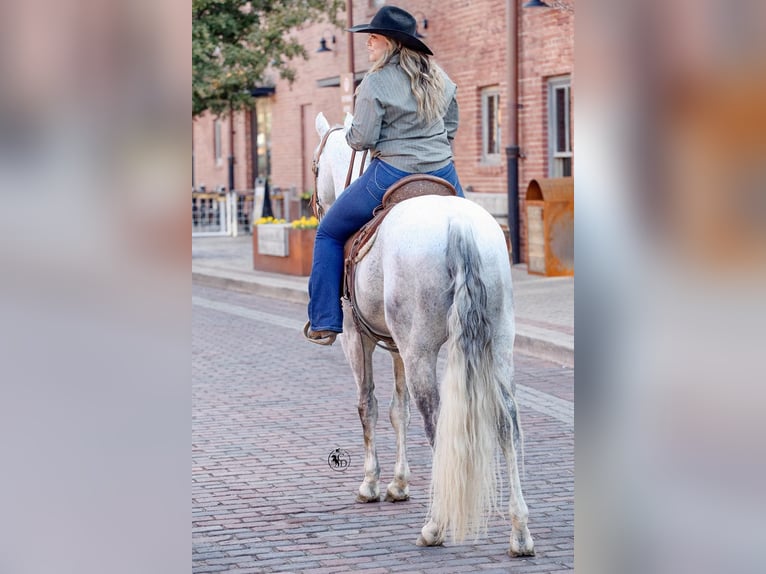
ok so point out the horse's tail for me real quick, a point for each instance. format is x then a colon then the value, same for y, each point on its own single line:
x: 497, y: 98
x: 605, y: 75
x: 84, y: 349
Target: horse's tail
x: 464, y: 478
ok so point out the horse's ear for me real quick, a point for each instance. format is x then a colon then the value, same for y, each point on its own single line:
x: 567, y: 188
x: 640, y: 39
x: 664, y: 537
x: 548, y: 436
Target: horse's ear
x: 322, y: 125
x: 347, y: 120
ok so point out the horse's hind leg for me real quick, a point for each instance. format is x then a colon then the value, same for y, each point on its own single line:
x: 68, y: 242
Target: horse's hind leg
x: 358, y: 351
x: 399, y: 414
x: 421, y: 379
x: 521, y: 543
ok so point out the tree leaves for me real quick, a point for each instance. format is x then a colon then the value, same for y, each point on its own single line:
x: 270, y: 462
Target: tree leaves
x: 238, y: 45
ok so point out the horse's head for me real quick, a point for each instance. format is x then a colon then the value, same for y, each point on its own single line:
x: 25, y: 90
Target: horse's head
x: 331, y: 162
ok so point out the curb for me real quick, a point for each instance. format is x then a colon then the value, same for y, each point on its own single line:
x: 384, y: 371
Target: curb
x: 544, y: 349
x: 285, y: 292
x: 527, y: 342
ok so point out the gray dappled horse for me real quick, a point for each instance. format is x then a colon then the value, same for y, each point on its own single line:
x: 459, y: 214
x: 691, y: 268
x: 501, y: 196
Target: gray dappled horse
x: 438, y: 272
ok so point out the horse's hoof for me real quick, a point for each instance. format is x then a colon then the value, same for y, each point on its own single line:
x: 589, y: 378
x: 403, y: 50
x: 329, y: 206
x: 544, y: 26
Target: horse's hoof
x: 396, y: 494
x: 525, y: 552
x: 423, y: 542
x: 430, y: 536
x: 525, y: 547
x: 391, y: 498
x: 368, y: 493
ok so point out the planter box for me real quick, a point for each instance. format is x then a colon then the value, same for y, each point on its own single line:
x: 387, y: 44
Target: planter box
x: 278, y: 248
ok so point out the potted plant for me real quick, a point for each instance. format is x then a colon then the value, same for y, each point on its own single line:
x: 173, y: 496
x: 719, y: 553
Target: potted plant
x: 281, y: 247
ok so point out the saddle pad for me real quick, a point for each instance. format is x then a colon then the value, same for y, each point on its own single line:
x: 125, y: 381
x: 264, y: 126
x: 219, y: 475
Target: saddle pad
x: 406, y: 188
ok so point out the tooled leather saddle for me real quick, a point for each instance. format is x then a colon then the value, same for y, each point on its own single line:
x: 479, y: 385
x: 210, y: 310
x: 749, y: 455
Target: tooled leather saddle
x: 359, y: 244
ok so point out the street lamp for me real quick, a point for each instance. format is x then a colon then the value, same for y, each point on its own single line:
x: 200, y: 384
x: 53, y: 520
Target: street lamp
x: 351, y: 74
x: 557, y: 4
x: 420, y: 18
x: 323, y: 42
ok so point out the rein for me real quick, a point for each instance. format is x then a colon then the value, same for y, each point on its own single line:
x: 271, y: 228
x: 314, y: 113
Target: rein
x: 316, y: 208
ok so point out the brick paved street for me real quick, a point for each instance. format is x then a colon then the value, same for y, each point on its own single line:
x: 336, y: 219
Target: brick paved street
x: 269, y: 408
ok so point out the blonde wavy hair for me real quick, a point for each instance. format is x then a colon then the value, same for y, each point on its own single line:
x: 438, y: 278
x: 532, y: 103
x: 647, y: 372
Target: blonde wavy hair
x: 426, y: 78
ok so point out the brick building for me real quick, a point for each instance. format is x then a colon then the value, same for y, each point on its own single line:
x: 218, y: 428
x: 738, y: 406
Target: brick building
x: 471, y: 41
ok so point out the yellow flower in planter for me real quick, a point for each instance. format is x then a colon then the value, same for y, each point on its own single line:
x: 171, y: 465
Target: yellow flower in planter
x: 305, y: 223
x: 269, y: 219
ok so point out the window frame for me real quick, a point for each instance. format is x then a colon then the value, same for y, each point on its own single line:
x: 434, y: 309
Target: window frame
x: 557, y: 158
x: 488, y: 95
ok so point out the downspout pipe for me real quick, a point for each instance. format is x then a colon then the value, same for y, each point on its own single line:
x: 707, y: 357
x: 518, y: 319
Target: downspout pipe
x: 512, y: 151
x: 231, y: 147
x: 351, y: 58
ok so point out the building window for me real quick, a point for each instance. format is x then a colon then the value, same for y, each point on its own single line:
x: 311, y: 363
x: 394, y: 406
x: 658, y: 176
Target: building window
x: 559, y: 127
x: 217, y: 143
x: 263, y: 138
x: 490, y: 125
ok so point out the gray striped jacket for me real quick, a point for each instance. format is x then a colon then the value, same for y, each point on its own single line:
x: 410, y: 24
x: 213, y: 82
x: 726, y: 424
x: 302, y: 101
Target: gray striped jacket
x: 386, y: 122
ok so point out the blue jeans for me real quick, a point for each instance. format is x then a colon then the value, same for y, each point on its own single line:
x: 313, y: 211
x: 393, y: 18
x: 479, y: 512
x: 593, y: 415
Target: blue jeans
x: 350, y: 212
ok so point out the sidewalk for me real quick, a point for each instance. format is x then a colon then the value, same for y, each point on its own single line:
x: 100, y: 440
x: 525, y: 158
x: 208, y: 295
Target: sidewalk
x: 544, y: 305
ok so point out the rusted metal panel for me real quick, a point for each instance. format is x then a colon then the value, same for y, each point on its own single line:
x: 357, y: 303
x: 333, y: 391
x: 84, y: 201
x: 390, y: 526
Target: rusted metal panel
x: 550, y: 226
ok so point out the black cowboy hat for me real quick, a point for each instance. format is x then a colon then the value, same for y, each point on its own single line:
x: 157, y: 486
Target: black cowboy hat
x: 395, y: 23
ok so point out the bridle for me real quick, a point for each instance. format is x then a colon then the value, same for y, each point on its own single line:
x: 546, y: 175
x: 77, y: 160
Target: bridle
x: 316, y: 208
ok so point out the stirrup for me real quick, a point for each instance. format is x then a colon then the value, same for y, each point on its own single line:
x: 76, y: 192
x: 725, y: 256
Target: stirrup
x: 328, y: 339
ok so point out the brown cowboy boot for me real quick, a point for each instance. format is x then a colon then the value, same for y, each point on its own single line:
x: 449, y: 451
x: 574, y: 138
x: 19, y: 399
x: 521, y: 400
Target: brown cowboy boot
x: 318, y: 337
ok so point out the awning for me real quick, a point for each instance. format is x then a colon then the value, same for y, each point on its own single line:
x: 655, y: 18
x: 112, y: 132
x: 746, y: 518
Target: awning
x: 262, y: 91
x: 334, y: 81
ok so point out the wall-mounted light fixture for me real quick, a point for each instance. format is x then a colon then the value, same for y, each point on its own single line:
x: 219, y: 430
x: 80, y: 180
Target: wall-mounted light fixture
x: 558, y: 5
x: 420, y: 21
x: 323, y: 42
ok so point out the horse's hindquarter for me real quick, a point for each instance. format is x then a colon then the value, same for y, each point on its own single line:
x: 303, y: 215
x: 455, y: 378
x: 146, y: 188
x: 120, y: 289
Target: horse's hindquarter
x: 403, y: 284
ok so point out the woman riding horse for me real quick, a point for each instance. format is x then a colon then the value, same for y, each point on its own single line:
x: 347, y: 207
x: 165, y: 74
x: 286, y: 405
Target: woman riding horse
x: 407, y: 114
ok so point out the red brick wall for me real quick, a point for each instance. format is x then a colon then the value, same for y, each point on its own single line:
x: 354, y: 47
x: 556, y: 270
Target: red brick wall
x: 294, y: 109
x: 468, y: 40
x: 206, y: 172
x: 211, y: 174
x: 546, y: 50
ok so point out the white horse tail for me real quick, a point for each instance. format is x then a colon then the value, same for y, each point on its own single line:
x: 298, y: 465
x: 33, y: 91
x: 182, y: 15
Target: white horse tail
x: 464, y: 478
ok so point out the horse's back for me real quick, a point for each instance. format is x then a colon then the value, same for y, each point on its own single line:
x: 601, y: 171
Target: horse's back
x: 420, y: 226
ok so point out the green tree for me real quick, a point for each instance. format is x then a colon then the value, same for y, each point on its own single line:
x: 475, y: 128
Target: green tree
x: 235, y: 44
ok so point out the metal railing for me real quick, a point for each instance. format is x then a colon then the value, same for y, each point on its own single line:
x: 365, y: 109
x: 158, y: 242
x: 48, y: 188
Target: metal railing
x: 230, y: 213
x: 281, y: 199
x: 222, y: 213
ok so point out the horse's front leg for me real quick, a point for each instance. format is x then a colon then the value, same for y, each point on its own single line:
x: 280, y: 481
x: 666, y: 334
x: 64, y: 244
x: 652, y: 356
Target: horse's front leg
x: 358, y: 351
x: 399, y: 414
